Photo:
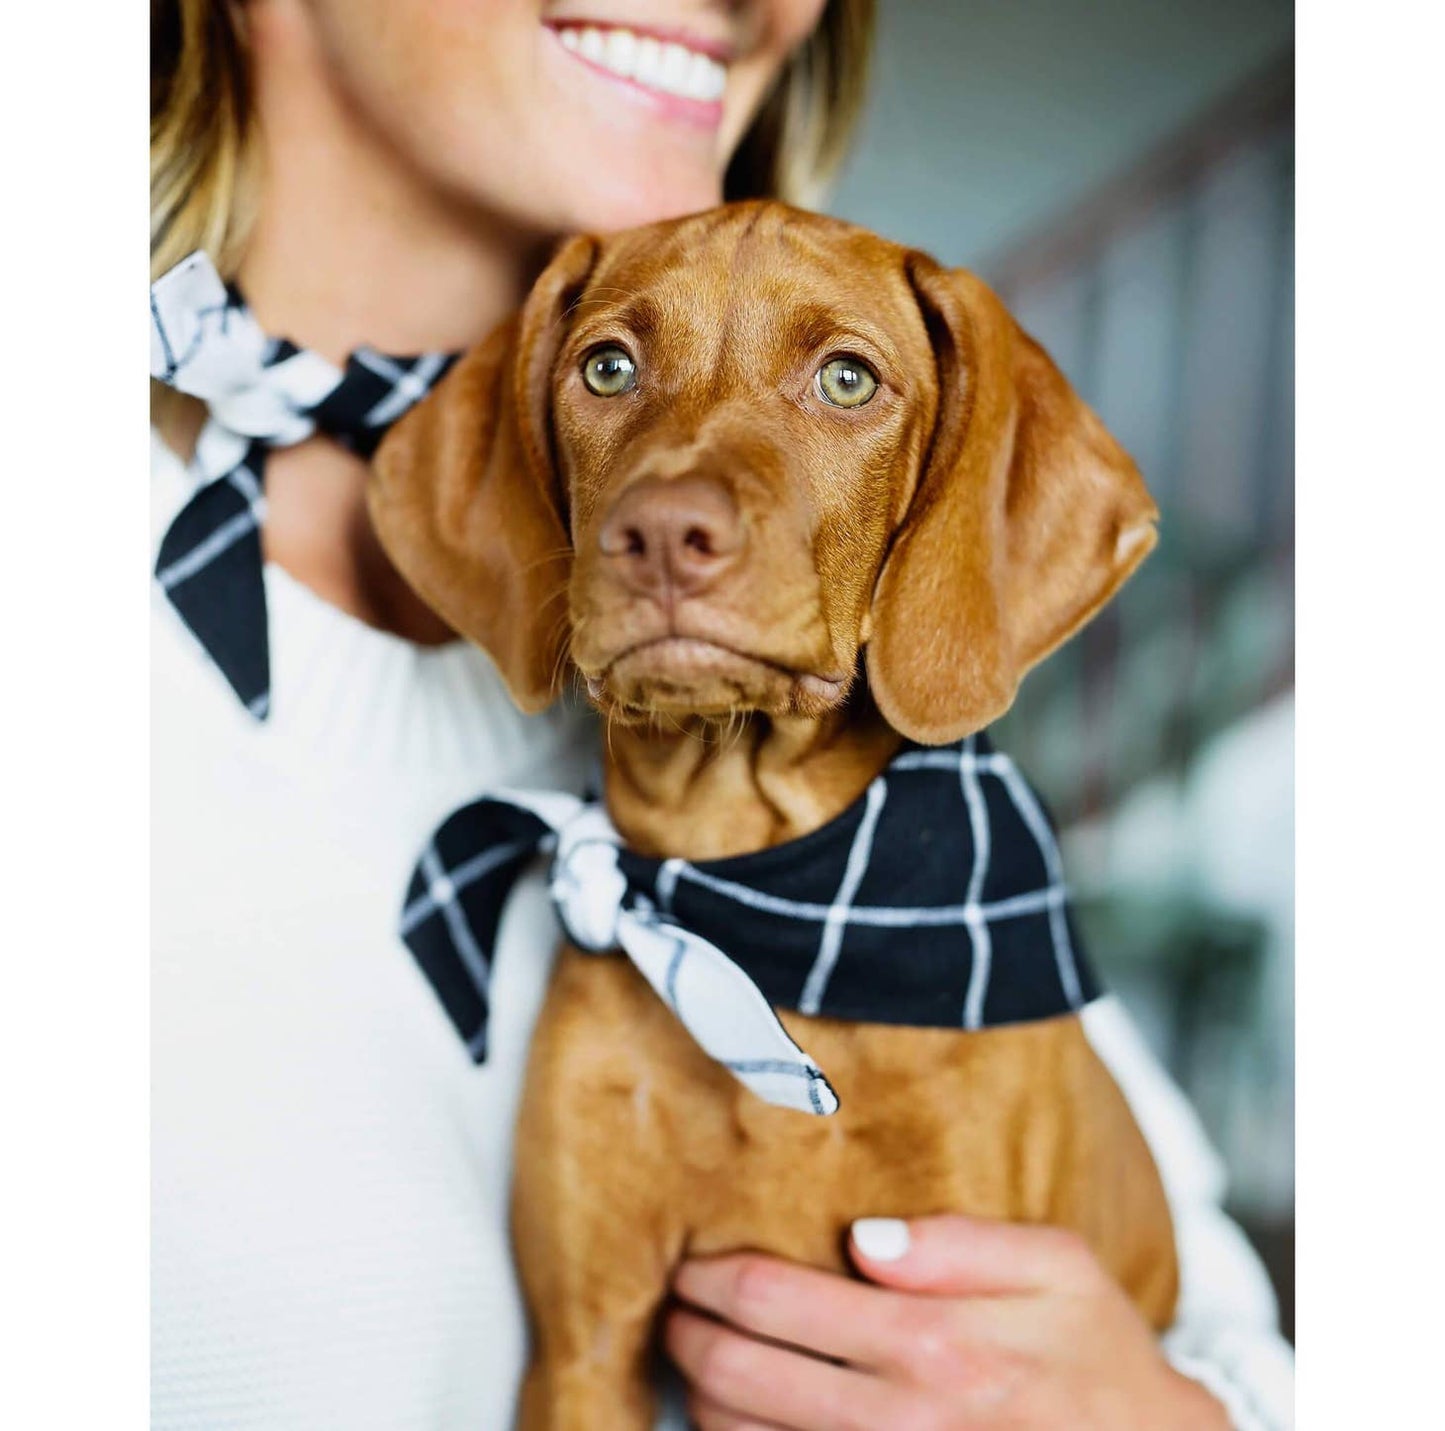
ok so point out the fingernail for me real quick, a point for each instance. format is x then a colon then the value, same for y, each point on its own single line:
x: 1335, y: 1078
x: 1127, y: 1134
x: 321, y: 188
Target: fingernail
x: 881, y: 1239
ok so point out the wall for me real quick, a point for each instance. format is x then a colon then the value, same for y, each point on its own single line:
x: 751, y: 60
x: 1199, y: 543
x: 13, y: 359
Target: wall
x: 989, y: 116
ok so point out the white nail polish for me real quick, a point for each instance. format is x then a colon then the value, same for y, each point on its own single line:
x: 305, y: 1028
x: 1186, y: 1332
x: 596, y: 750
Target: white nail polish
x: 881, y: 1239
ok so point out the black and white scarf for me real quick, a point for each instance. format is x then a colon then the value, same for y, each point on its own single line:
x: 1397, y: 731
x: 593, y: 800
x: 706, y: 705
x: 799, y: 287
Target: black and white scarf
x: 260, y: 393
x: 936, y: 899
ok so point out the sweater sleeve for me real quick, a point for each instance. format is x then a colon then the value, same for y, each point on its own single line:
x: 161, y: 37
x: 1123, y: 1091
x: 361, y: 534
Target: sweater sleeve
x: 1225, y: 1333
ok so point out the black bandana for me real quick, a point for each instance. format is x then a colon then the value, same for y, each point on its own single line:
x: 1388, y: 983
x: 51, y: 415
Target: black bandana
x: 261, y: 393
x: 937, y: 899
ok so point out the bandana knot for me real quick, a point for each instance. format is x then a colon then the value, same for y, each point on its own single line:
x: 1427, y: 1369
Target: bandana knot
x: 454, y: 907
x: 587, y: 884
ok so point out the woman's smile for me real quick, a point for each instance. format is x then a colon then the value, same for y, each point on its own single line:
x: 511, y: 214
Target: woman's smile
x: 685, y: 76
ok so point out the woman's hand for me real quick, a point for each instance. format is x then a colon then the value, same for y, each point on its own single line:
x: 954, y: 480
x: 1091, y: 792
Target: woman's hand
x: 975, y: 1324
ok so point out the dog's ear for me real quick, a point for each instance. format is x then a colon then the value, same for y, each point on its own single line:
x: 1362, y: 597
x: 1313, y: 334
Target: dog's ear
x: 1027, y: 517
x: 467, y: 500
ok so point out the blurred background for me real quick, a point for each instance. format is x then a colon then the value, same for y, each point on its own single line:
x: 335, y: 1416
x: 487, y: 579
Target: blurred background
x: 1122, y: 172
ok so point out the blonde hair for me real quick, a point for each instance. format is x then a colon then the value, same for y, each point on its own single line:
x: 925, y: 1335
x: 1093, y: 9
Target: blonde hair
x: 202, y: 190
x: 801, y: 134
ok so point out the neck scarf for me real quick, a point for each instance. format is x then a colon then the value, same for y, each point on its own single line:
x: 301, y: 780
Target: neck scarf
x: 937, y: 899
x: 260, y: 393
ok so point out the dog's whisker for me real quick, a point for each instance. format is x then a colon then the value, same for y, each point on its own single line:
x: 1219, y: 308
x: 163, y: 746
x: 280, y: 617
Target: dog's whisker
x: 542, y: 560
x: 557, y: 638
x: 560, y: 594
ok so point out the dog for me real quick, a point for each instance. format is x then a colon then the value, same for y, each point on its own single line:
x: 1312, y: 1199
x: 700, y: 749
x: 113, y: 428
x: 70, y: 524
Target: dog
x: 790, y: 499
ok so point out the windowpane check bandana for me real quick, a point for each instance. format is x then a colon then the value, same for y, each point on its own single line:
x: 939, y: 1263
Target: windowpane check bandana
x: 937, y: 899
x: 261, y: 393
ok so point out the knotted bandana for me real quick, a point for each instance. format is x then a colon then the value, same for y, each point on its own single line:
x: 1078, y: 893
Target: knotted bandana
x: 937, y: 899
x: 260, y: 393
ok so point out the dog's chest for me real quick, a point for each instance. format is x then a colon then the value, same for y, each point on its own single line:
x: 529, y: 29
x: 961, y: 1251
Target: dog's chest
x: 1020, y: 1122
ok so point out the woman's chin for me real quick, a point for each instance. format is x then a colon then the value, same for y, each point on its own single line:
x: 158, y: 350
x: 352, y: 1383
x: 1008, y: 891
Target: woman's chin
x: 630, y: 201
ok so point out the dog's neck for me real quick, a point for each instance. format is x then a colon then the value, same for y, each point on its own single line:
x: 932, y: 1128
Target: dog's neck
x: 699, y: 791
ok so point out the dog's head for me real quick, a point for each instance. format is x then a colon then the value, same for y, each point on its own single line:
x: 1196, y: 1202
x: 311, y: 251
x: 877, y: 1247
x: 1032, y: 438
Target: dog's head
x: 714, y: 462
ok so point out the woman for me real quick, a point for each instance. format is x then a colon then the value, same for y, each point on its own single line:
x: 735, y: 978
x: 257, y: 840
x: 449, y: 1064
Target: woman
x: 330, y: 1173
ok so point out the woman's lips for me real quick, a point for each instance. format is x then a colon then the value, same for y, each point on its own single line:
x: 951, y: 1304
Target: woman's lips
x: 687, y: 82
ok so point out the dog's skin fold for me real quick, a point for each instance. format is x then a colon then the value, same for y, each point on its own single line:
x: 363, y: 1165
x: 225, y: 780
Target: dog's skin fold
x: 764, y: 592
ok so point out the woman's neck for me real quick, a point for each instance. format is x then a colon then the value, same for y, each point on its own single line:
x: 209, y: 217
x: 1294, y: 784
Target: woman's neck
x: 351, y: 244
x: 351, y: 247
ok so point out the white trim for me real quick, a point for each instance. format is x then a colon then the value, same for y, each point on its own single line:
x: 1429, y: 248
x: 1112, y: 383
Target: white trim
x: 456, y: 921
x: 834, y: 926
x: 877, y: 916
x: 1033, y: 816
x: 977, y: 926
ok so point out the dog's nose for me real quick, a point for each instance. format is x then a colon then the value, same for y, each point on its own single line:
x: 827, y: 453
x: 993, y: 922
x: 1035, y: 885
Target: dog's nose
x: 672, y: 537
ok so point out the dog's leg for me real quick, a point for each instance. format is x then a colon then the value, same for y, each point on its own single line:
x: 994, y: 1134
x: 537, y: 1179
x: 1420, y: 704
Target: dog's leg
x: 555, y: 1398
x: 595, y: 1177
x: 594, y: 1285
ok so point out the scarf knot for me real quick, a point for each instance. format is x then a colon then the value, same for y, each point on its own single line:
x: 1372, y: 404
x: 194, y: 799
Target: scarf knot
x: 454, y: 907
x: 587, y: 885
x: 260, y: 393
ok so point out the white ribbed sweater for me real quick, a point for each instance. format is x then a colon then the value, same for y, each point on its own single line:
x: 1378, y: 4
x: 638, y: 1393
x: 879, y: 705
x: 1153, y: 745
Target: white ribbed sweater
x: 329, y: 1169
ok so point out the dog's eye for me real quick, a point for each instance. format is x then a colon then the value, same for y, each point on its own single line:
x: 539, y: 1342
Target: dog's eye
x: 846, y: 382
x: 609, y: 370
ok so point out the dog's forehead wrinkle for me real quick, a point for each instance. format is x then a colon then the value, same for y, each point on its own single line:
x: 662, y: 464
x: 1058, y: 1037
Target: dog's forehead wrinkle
x: 771, y: 321
x: 777, y: 274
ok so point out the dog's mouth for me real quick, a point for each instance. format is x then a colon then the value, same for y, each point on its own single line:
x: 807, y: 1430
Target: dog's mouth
x: 688, y: 675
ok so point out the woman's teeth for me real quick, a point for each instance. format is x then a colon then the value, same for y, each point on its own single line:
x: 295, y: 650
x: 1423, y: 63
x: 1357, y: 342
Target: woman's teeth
x: 672, y: 69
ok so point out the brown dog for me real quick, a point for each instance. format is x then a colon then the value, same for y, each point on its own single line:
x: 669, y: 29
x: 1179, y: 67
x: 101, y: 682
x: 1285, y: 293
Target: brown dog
x: 662, y: 472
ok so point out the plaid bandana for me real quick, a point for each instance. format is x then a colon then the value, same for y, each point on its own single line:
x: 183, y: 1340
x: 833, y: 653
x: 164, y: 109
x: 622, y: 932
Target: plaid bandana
x: 937, y: 899
x: 261, y: 393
